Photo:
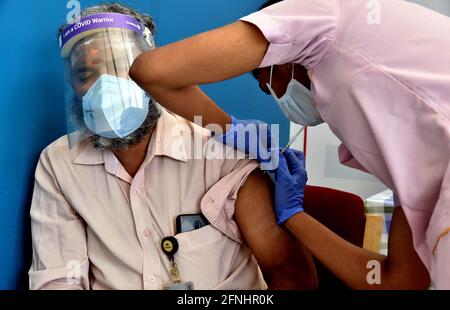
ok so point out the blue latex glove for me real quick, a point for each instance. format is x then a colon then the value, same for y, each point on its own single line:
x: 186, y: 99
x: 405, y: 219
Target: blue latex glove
x: 290, y: 183
x: 254, y: 138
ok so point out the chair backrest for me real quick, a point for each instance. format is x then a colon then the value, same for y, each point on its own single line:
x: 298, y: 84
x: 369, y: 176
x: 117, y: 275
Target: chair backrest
x: 341, y: 212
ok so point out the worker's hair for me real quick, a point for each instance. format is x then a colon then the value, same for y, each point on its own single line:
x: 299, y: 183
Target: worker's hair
x: 265, y: 5
x: 115, y: 7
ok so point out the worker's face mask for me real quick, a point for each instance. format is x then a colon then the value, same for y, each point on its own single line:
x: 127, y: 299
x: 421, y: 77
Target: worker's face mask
x: 297, y: 103
x: 114, y: 107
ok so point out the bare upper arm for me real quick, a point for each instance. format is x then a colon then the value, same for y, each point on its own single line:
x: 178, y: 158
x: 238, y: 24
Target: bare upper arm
x: 283, y: 260
x: 208, y: 57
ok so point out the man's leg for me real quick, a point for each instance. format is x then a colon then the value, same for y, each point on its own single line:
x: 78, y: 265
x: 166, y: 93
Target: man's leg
x: 285, y: 263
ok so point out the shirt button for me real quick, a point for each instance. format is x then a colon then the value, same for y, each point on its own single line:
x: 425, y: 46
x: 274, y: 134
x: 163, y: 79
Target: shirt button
x: 146, y: 233
x: 139, y: 192
x: 153, y: 278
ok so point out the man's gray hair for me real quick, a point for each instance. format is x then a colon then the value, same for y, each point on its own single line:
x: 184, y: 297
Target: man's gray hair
x: 115, y: 7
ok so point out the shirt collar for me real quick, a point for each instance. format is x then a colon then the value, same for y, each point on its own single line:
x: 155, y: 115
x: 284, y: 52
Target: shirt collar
x: 170, y: 137
x: 168, y: 140
x: 84, y: 153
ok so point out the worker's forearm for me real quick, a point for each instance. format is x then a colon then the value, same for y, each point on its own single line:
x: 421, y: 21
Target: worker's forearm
x: 190, y: 102
x: 347, y: 261
x: 171, y: 73
x: 174, y: 92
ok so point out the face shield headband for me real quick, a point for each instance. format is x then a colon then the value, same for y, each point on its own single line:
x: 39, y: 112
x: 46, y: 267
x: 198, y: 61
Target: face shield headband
x: 96, y: 23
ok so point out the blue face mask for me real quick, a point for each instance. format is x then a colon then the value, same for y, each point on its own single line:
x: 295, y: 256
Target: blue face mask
x: 114, y: 107
x: 297, y: 103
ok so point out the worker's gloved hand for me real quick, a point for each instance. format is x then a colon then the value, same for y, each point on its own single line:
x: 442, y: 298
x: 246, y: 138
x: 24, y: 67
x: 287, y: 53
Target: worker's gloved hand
x: 290, y: 183
x: 254, y: 138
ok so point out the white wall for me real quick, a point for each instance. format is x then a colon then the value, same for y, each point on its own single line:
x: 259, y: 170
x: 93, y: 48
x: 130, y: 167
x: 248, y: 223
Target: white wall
x: 322, y: 161
x: 324, y: 168
x: 442, y: 6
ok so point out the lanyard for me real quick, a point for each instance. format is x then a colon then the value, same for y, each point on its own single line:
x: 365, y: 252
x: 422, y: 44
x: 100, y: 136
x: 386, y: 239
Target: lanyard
x: 170, y: 247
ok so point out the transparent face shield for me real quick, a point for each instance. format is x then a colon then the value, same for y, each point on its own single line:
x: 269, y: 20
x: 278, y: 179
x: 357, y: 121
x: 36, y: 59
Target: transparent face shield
x: 101, y: 99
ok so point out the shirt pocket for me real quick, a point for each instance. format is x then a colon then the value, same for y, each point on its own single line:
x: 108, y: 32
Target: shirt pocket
x: 206, y: 256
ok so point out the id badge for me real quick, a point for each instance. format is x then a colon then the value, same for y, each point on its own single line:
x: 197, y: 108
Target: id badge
x: 186, y: 286
x: 169, y: 246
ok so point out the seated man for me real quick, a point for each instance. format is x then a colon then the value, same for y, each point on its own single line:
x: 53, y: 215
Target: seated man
x: 107, y: 194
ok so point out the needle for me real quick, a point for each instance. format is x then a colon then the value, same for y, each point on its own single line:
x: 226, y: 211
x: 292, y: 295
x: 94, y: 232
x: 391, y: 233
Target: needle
x: 292, y: 140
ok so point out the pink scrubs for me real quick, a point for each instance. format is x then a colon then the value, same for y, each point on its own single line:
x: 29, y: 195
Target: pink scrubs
x: 380, y: 71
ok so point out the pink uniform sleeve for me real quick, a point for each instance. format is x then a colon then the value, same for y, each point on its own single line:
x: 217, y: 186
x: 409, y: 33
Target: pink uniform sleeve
x: 299, y: 31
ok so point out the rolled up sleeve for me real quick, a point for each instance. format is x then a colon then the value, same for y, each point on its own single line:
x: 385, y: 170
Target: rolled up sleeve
x: 218, y: 204
x: 299, y: 31
x: 58, y: 236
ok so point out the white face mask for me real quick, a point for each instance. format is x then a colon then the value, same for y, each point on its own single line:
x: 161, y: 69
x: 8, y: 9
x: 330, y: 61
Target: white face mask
x: 297, y: 104
x: 114, y: 107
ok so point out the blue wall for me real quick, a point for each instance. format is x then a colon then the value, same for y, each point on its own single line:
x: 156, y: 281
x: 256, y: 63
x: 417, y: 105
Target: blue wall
x: 32, y: 106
